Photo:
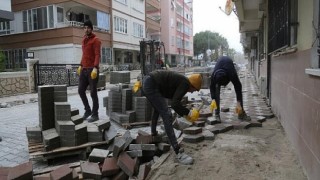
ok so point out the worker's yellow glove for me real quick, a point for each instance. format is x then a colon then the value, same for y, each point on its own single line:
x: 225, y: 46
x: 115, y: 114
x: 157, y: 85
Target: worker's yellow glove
x: 137, y: 85
x: 213, y: 105
x: 79, y: 70
x: 239, y: 109
x: 94, y: 73
x: 193, y: 115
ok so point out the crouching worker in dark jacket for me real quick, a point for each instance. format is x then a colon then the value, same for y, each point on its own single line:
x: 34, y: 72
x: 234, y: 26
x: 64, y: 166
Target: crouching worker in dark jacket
x: 224, y: 72
x: 168, y: 84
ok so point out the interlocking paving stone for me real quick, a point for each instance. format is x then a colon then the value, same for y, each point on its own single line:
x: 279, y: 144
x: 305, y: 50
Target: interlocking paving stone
x: 208, y: 135
x: 98, y: 155
x: 127, y: 164
x: 144, y: 147
x: 144, y: 170
x: 90, y: 170
x: 212, y: 120
x: 200, y: 123
x: 61, y: 173
x: 21, y: 171
x: 195, y: 138
x: 110, y: 166
x: 192, y: 130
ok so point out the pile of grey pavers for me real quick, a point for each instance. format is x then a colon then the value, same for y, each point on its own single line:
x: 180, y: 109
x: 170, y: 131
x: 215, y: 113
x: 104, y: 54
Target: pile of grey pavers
x: 123, y: 106
x: 119, y: 77
x: 62, y: 126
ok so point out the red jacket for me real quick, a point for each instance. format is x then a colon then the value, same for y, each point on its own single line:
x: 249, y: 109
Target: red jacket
x: 91, y: 47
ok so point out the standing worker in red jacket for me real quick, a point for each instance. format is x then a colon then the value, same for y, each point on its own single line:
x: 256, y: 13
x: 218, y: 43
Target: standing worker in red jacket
x: 88, y: 71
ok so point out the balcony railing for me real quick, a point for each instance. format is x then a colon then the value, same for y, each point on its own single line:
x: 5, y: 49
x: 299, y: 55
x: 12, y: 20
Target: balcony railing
x: 79, y: 25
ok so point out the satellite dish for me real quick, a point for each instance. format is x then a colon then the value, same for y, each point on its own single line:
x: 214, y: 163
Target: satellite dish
x: 229, y: 7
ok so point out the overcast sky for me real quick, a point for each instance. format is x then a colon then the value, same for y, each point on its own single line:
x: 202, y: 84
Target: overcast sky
x: 208, y: 16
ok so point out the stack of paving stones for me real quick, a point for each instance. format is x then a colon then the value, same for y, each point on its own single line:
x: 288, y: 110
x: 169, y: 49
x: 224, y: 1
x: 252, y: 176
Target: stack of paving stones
x: 62, y: 126
x: 128, y: 157
x: 119, y: 77
x: 123, y: 106
x: 101, y: 81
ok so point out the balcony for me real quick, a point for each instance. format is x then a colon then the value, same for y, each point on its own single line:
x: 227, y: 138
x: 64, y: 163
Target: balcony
x: 152, y: 5
x: 71, y: 34
x: 153, y: 26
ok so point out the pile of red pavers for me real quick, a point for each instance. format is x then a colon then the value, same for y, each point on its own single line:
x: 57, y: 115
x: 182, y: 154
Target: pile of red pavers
x: 125, y: 157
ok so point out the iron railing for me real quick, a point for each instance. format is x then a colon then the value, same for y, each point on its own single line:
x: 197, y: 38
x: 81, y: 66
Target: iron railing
x: 56, y: 74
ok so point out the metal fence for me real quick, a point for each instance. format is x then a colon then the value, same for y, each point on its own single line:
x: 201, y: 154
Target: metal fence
x: 56, y: 74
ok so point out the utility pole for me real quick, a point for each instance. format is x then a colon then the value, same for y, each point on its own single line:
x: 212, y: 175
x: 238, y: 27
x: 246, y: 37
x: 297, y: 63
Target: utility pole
x: 184, y: 60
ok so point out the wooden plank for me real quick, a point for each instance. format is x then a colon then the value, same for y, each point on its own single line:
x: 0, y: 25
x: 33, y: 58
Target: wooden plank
x: 63, y: 149
x: 49, y: 169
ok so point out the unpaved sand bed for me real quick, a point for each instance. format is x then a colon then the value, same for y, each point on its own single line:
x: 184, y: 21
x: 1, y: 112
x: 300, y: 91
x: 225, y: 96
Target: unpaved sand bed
x: 255, y: 153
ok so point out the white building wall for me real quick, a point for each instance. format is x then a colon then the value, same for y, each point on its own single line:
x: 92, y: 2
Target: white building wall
x: 134, y: 11
x: 58, y: 54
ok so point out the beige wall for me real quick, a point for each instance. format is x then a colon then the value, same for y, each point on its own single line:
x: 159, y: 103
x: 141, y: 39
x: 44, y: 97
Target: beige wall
x: 13, y: 83
x: 295, y: 99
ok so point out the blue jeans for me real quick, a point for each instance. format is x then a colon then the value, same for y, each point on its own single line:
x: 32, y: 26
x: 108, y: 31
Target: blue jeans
x: 159, y: 103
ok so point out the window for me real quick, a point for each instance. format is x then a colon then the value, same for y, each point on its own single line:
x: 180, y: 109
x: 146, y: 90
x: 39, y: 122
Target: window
x: 15, y: 58
x: 60, y: 14
x: 122, y: 1
x: 282, y: 26
x: 103, y: 20
x: 138, y: 5
x: 138, y: 30
x: 187, y: 45
x: 105, y: 55
x: 179, y: 43
x: 314, y: 68
x: 4, y: 27
x: 50, y: 16
x: 40, y: 18
x: 172, y: 40
x: 120, y: 25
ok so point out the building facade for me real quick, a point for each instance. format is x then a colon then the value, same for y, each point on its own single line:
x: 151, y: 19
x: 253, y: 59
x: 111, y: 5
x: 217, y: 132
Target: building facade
x: 53, y: 31
x: 128, y: 30
x: 281, y: 41
x: 177, y: 31
x: 153, y: 18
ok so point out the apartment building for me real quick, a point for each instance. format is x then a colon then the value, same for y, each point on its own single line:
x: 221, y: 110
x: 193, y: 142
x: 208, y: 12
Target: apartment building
x: 128, y: 30
x: 281, y: 41
x: 153, y: 18
x: 177, y: 31
x: 52, y: 30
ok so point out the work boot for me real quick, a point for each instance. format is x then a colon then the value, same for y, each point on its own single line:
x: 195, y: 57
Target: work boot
x: 93, y: 118
x: 218, y: 119
x: 86, y: 115
x: 183, y: 158
x: 244, y: 117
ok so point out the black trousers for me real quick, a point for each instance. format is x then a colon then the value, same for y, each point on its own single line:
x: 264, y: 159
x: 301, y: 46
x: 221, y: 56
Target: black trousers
x: 160, y: 106
x: 85, y: 81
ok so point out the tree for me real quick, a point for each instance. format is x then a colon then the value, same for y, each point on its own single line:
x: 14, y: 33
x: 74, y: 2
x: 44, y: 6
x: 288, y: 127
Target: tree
x: 207, y: 39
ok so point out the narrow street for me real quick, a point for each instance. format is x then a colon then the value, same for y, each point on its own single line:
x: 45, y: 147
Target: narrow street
x: 253, y: 153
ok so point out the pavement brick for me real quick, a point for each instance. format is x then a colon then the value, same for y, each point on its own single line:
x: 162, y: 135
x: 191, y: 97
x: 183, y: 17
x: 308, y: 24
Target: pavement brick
x: 61, y: 173
x: 90, y: 170
x: 110, y: 167
x: 21, y: 172
x: 98, y: 155
x: 127, y: 164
